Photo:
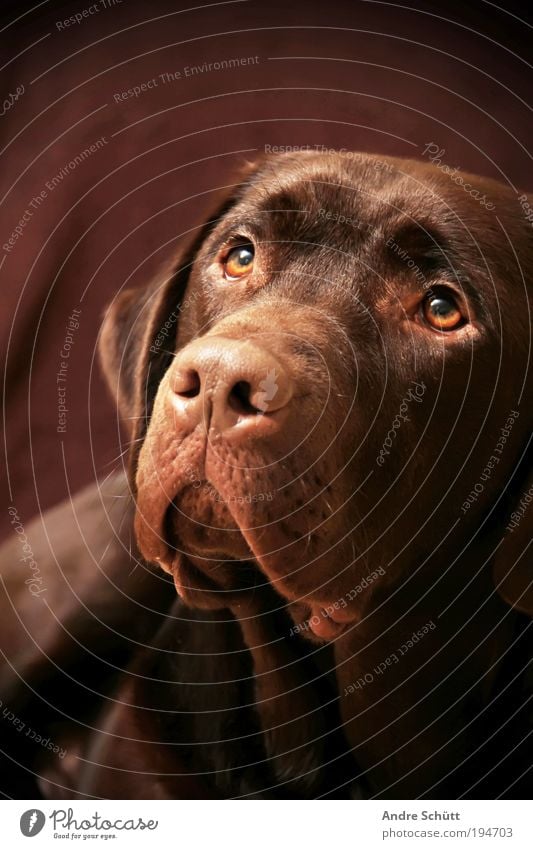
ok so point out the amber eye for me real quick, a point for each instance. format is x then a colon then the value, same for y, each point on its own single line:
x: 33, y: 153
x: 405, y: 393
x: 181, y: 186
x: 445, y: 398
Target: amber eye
x: 440, y: 310
x: 239, y: 262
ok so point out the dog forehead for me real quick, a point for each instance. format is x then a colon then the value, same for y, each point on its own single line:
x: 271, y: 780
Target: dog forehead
x: 360, y: 192
x: 303, y: 181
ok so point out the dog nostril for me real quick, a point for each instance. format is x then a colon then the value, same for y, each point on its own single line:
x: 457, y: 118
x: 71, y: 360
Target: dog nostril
x: 239, y: 399
x: 187, y: 384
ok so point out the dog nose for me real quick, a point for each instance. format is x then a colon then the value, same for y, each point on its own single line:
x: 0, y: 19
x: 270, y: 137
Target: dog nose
x: 239, y: 384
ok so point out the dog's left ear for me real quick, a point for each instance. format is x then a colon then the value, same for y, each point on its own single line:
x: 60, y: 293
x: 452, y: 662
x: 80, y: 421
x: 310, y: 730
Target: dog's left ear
x: 513, y: 564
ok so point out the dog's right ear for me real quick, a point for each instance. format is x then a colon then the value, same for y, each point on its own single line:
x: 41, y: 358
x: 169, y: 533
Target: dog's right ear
x: 513, y: 563
x: 121, y: 339
x: 138, y: 335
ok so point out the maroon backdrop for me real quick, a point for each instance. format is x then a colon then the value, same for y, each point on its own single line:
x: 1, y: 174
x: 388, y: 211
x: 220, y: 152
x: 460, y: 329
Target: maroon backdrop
x: 367, y: 76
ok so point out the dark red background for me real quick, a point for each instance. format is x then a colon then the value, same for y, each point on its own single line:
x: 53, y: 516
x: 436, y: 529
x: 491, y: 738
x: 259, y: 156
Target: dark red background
x: 370, y: 76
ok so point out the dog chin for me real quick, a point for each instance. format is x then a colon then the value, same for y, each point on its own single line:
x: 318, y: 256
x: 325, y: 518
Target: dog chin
x: 200, y: 525
x: 202, y: 529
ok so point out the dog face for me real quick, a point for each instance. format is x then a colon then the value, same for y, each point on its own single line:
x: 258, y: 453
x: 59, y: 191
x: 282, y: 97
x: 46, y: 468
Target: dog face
x: 323, y: 381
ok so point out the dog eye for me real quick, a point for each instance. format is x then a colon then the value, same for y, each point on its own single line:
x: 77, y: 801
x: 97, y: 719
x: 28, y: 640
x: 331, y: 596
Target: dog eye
x: 441, y: 311
x: 239, y: 262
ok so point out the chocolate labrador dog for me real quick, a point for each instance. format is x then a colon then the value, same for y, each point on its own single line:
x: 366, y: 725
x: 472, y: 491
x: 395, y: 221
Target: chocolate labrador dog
x: 329, y: 590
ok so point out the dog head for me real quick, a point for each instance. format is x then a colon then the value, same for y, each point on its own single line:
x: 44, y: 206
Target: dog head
x: 330, y: 384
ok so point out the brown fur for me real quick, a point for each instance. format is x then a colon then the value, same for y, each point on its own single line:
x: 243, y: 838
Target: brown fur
x: 335, y: 301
